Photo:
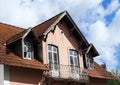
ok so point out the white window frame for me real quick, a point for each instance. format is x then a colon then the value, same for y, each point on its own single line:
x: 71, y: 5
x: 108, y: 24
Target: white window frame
x: 53, y: 65
x: 54, y: 50
x: 89, y: 62
x: 74, y: 67
x: 27, y: 48
x: 74, y: 57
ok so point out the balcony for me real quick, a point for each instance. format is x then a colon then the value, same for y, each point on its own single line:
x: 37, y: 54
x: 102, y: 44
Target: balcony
x: 62, y: 72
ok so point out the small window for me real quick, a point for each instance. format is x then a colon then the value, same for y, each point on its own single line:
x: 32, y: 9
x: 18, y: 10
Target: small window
x: 27, y: 50
x: 61, y: 31
x: 89, y: 62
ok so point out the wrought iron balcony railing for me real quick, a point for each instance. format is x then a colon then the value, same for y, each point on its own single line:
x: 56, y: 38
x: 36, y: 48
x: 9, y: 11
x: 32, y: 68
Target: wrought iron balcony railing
x: 58, y: 71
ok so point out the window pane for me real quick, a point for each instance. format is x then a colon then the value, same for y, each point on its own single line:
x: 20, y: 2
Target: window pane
x: 75, y: 53
x: 49, y: 47
x: 71, y: 60
x: 76, y: 61
x: 55, y: 57
x: 71, y: 53
x: 29, y: 49
x: 29, y: 54
x: 54, y: 49
x: 50, y: 56
x: 25, y: 54
x: 25, y: 48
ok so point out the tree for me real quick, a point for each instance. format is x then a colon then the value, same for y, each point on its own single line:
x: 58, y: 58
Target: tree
x: 116, y: 73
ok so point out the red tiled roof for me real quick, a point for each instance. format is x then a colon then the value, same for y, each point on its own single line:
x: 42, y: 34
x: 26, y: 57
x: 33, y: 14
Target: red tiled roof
x: 16, y: 37
x: 8, y: 31
x: 100, y: 72
x: 41, y: 28
x: 9, y: 58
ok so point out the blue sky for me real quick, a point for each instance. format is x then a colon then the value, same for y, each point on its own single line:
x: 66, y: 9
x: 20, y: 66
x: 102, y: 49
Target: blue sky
x: 99, y: 21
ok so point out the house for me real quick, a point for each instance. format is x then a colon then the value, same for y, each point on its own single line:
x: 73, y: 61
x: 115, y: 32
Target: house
x: 54, y: 52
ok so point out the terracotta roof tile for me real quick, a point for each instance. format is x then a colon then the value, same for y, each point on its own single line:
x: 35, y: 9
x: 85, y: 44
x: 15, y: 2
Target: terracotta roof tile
x: 16, y: 37
x: 100, y: 72
x: 11, y: 33
x: 8, y: 31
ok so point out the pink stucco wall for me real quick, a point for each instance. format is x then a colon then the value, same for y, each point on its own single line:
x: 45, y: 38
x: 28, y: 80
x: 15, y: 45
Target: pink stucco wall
x: 64, y: 42
x: 24, y: 76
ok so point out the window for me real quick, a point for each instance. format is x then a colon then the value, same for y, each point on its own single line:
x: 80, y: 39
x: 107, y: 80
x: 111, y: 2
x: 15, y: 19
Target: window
x: 27, y: 50
x: 73, y: 57
x: 73, y: 54
x: 89, y: 62
x: 53, y: 54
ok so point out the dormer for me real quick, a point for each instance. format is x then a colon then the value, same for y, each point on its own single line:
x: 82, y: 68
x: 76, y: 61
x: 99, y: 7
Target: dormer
x: 24, y: 44
x: 88, y: 56
x: 27, y: 45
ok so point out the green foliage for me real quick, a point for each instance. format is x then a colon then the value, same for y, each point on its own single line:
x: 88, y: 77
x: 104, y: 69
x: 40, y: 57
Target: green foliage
x: 113, y: 82
x: 116, y: 73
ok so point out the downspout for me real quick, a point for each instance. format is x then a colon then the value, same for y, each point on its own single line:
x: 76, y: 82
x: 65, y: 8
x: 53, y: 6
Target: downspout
x: 22, y: 45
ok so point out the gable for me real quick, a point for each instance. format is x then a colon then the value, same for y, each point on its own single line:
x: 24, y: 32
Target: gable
x: 61, y: 35
x: 43, y: 29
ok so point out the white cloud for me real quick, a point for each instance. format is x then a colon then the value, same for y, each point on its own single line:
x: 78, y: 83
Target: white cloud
x: 27, y: 13
x: 98, y: 32
x: 101, y: 37
x: 106, y: 38
x: 115, y: 29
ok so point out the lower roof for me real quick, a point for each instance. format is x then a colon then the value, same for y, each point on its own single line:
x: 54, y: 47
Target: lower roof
x: 100, y: 72
x: 14, y: 60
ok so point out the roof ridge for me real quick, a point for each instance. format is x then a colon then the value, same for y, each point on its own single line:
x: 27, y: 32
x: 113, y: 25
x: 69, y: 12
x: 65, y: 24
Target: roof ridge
x: 50, y: 18
x: 41, y: 28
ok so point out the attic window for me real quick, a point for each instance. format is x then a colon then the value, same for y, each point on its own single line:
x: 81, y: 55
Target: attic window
x: 61, y: 31
x: 89, y: 62
x: 27, y: 50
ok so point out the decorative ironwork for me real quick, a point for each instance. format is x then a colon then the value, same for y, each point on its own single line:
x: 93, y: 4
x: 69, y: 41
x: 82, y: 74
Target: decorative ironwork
x: 59, y: 71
